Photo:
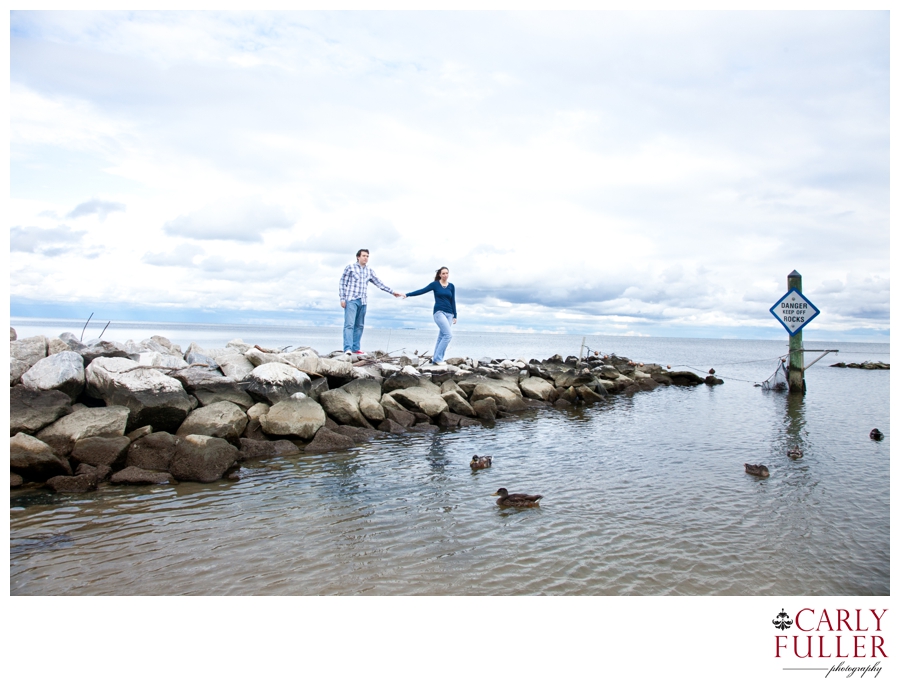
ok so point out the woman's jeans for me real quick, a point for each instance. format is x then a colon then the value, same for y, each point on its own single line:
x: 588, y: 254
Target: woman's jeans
x: 354, y: 322
x: 444, y: 320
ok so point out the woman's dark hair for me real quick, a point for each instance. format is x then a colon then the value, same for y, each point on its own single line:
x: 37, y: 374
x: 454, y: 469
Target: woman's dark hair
x: 437, y: 274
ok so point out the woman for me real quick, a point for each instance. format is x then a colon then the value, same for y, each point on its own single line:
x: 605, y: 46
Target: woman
x: 444, y: 310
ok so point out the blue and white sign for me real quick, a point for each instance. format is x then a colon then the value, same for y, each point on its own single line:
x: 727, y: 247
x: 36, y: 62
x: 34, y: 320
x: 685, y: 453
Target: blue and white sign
x: 794, y: 311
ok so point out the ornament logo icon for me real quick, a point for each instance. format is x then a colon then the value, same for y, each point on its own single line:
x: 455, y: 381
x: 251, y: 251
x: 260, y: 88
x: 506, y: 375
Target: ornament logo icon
x: 783, y: 620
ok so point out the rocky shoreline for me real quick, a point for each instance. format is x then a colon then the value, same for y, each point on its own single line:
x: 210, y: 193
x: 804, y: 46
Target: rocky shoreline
x: 82, y: 414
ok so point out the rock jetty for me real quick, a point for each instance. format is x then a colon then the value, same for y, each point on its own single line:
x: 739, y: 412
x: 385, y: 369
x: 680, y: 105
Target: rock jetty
x: 82, y: 414
x: 862, y: 365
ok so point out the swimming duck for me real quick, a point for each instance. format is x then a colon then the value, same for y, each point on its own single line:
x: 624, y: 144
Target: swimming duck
x: 508, y: 499
x: 482, y: 462
x: 876, y: 435
x: 756, y: 469
x: 795, y: 453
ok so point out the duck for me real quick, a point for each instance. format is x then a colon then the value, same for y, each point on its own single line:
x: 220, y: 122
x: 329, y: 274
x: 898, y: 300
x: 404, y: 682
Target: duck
x: 876, y: 435
x: 756, y: 469
x: 508, y: 499
x: 482, y: 462
x: 795, y: 452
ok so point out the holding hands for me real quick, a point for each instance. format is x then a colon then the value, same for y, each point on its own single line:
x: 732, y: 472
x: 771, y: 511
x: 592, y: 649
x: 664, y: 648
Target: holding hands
x: 399, y: 295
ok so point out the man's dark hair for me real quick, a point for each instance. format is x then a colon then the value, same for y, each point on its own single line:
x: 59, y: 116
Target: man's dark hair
x: 361, y: 251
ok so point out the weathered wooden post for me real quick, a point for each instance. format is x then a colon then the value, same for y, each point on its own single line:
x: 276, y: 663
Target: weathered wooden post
x: 796, y: 380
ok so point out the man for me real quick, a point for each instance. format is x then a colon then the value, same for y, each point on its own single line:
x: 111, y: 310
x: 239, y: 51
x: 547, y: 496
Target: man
x: 354, y: 282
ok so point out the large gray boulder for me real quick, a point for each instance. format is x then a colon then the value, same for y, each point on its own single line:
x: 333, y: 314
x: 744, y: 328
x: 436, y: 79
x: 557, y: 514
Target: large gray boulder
x: 235, y: 365
x: 136, y: 476
x: 84, y: 423
x: 506, y: 398
x: 222, y: 420
x: 368, y: 395
x: 12, y: 334
x: 327, y: 441
x: 420, y: 400
x: 304, y: 360
x: 337, y: 368
x: 538, y: 389
x: 60, y: 372
x: 155, y: 451
x: 16, y: 369
x: 275, y: 381
x: 34, y: 460
x: 294, y: 417
x: 202, y: 458
x: 31, y: 410
x: 343, y: 407
x: 29, y: 350
x: 399, y: 381
x: 99, y: 451
x: 257, y: 357
x: 157, y: 359
x: 152, y: 397
x: 256, y: 450
x: 97, y: 348
x: 457, y: 404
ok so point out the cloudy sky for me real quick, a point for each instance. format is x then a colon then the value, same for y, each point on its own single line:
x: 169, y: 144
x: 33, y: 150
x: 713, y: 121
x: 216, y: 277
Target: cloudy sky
x: 598, y: 173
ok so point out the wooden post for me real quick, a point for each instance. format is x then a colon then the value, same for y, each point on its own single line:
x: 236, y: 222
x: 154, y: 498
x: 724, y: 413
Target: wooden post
x: 796, y: 381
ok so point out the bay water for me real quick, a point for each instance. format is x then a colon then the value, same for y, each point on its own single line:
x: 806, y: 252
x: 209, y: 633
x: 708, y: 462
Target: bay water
x: 643, y: 495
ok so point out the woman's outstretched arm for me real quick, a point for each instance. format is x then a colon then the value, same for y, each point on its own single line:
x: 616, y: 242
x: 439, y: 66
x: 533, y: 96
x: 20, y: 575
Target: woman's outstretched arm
x: 422, y: 291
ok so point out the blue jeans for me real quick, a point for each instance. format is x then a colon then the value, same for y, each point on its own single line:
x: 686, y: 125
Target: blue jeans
x: 444, y: 320
x: 354, y: 322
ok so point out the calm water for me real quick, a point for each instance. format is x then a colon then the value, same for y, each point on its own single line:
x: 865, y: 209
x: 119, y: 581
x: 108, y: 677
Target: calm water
x: 643, y: 495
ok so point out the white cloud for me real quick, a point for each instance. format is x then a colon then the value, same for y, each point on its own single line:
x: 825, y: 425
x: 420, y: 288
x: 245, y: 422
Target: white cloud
x: 236, y: 220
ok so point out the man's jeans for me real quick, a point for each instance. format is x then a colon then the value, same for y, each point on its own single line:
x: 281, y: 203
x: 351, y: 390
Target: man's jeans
x: 444, y: 320
x: 354, y: 322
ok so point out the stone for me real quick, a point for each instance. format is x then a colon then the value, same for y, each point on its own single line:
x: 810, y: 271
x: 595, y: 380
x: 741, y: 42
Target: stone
x: 31, y: 410
x: 168, y: 345
x: 356, y: 434
x: 421, y: 418
x: 236, y: 396
x: 62, y: 371
x: 448, y: 420
x: 399, y: 381
x: 712, y: 380
x: 99, y: 451
x: 29, y: 350
x: 257, y: 411
x: 536, y: 388
x: 154, y: 452
x: 388, y: 403
x: 62, y: 434
x: 136, y: 476
x: 450, y: 385
x: 15, y: 480
x: 56, y: 345
x: 457, y: 404
x: 96, y: 348
x: 684, y: 378
x: 158, y: 360
x: 235, y: 365
x: 257, y: 357
x: 327, y: 441
x: 16, y: 369
x: 71, y: 340
x: 12, y: 334
x: 81, y: 483
x: 569, y: 394
x: 202, y: 458
x: 337, y: 368
x: 275, y: 381
x: 368, y: 394
x: 35, y: 460
x: 304, y: 360
x: 343, y: 407
x: 486, y: 409
x: 589, y: 396
x: 254, y: 431
x: 199, y: 358
x: 201, y: 378
x: 467, y: 421
x: 222, y: 420
x: 505, y: 398
x: 237, y: 344
x: 423, y: 428
x: 420, y: 400
x: 562, y: 404
x: 302, y: 418
x: 403, y: 417
x: 390, y: 426
x: 151, y: 396
x: 139, y: 433
x: 256, y: 450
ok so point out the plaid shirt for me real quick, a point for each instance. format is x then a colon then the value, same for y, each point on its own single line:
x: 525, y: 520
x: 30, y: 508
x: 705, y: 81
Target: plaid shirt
x: 355, y: 280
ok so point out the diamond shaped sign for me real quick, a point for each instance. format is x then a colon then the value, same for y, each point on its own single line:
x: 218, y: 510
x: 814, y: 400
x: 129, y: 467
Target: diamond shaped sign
x: 794, y: 311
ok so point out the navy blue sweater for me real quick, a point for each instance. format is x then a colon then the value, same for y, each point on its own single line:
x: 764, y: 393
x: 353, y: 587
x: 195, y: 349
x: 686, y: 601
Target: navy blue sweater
x: 444, y: 298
